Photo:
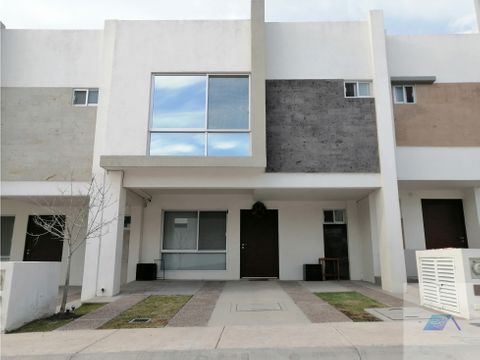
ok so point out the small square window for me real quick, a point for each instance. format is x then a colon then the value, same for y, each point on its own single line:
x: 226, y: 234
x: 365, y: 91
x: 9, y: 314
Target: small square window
x: 80, y: 97
x: 404, y: 94
x: 84, y: 97
x: 339, y: 216
x: 357, y: 89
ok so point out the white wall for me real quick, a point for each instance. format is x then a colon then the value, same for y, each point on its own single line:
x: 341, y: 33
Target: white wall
x: 139, y: 48
x: 365, y: 234
x: 300, y: 232
x: 50, y: 58
x: 438, y: 163
x: 471, y: 208
x: 29, y: 292
x: 451, y: 58
x: 328, y: 50
x: 21, y: 210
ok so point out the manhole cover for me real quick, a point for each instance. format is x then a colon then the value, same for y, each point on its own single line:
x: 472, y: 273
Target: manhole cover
x: 139, y: 320
x: 259, y: 307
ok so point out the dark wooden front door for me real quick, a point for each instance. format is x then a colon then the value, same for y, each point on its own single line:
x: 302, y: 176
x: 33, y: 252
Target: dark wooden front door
x: 336, y: 246
x: 41, y: 245
x: 444, y: 223
x: 259, y: 244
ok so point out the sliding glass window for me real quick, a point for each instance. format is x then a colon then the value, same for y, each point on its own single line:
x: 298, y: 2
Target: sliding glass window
x: 194, y: 240
x: 200, y: 115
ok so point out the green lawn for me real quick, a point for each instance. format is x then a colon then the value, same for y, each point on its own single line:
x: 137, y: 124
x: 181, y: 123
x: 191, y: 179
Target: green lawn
x: 55, y: 321
x: 352, y: 304
x: 159, y: 308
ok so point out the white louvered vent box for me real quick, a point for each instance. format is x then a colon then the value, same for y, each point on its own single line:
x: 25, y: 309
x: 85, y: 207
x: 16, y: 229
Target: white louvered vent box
x: 449, y: 281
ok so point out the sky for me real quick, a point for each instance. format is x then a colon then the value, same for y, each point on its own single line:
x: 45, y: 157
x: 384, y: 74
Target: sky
x: 402, y: 16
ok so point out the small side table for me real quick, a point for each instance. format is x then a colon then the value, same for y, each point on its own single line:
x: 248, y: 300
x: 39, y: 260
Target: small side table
x: 336, y: 265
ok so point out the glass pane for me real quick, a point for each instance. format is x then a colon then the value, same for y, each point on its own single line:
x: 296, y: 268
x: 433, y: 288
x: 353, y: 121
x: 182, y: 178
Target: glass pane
x: 409, y: 93
x: 79, y: 97
x: 179, y: 102
x: 399, y: 98
x: 198, y: 261
x: 363, y: 89
x: 6, y: 236
x: 339, y: 216
x: 93, y: 96
x: 228, y: 102
x: 350, y: 89
x: 328, y: 216
x: 212, y: 230
x: 177, y: 144
x: 180, y: 230
x: 228, y: 144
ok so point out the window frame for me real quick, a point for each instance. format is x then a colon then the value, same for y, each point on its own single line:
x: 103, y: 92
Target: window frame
x: 404, y: 90
x: 86, y: 96
x: 204, y: 130
x: 357, y: 82
x: 196, y: 250
x: 344, y: 221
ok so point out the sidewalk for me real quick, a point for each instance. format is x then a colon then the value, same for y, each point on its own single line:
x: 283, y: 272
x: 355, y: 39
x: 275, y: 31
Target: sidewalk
x: 381, y: 340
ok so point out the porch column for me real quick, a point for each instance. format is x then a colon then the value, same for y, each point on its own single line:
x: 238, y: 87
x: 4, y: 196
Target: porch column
x: 392, y: 260
x: 101, y: 276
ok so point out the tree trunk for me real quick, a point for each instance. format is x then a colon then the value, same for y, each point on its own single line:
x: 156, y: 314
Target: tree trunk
x: 66, y: 285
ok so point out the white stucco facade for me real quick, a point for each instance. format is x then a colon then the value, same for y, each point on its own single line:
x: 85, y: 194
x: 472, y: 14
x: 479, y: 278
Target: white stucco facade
x: 383, y: 209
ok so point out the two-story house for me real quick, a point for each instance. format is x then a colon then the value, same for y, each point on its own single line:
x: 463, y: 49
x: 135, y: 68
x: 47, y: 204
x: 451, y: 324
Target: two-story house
x: 351, y: 143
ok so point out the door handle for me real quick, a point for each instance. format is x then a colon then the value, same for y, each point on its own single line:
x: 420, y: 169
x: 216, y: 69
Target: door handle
x: 243, y: 246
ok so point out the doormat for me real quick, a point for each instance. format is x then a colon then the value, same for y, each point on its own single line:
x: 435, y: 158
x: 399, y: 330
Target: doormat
x: 258, y: 307
x: 400, y: 313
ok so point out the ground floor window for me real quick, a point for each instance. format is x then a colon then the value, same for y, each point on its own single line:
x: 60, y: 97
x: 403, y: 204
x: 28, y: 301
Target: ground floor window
x: 194, y: 240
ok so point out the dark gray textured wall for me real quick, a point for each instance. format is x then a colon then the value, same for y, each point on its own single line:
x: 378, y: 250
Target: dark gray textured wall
x: 312, y: 127
x: 44, y: 137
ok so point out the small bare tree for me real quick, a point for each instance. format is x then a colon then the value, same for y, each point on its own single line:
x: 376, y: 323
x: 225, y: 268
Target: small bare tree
x: 74, y: 217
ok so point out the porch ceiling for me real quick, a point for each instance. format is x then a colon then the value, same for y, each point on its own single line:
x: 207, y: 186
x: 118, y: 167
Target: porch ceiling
x: 269, y: 194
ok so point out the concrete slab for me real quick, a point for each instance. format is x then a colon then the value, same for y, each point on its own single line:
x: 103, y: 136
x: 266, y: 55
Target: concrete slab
x: 280, y: 336
x: 187, y: 338
x: 55, y: 342
x: 401, y: 313
x: 244, y: 294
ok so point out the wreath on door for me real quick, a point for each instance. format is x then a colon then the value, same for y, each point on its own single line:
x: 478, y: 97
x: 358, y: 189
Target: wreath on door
x: 259, y: 209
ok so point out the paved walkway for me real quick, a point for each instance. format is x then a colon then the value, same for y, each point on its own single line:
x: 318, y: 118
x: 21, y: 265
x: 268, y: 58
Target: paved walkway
x: 101, y: 316
x: 255, y: 302
x: 381, y: 340
x: 316, y: 310
x: 198, y: 310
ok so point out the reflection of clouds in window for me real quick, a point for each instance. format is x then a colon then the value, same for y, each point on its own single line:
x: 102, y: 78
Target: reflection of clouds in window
x: 177, y: 82
x: 179, y: 102
x: 229, y: 144
x: 177, y: 144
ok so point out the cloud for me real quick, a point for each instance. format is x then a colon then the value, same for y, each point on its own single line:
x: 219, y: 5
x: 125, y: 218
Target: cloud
x: 463, y: 25
x: 177, y: 82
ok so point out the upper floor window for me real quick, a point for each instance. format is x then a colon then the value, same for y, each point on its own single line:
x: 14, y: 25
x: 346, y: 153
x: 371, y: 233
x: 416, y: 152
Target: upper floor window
x: 404, y: 94
x: 358, y: 89
x: 200, y: 115
x: 85, y: 97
